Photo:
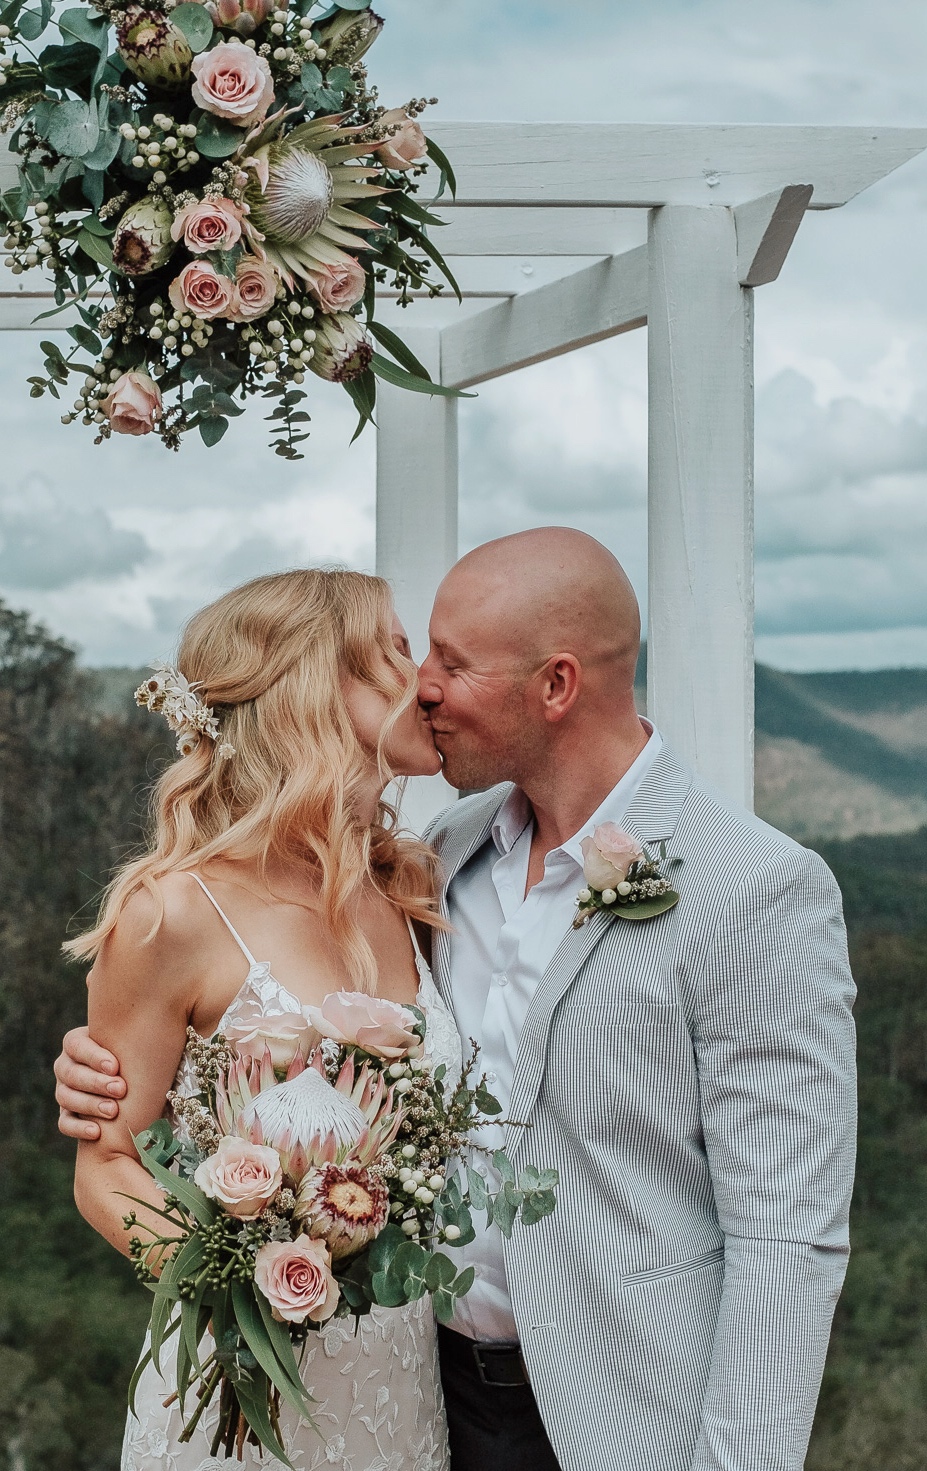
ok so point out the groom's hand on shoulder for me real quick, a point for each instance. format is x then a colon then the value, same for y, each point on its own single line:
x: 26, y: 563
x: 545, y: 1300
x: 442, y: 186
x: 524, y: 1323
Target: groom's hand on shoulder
x: 88, y: 1087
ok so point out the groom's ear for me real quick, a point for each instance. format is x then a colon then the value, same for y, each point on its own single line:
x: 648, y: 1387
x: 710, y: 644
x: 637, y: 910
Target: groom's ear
x: 561, y: 681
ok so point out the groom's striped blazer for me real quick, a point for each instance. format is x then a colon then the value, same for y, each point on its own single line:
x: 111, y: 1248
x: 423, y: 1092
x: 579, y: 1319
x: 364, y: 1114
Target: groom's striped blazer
x: 692, y: 1078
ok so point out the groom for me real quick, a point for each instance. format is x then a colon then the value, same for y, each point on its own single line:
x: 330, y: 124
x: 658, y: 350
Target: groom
x: 690, y: 1075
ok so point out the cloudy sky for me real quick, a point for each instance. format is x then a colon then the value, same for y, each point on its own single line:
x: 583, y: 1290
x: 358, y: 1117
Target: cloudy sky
x: 114, y: 546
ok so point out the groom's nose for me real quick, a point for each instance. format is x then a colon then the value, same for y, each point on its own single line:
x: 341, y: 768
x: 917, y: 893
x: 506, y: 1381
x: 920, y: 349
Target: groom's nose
x: 429, y: 690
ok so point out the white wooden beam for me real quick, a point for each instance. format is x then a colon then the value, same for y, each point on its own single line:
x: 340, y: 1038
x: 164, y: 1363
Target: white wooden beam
x: 598, y: 302
x: 539, y: 231
x: 765, y: 230
x: 700, y: 526
x: 632, y: 164
x: 417, y: 521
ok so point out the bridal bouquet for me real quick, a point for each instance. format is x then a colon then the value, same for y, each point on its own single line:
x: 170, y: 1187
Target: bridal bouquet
x: 308, y: 1178
x: 217, y: 190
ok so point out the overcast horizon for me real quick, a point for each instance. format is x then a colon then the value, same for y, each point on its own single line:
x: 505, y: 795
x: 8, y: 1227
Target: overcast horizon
x: 113, y: 547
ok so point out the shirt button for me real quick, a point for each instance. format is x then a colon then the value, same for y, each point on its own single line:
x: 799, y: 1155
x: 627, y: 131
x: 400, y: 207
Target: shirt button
x: 502, y: 979
x: 491, y: 1077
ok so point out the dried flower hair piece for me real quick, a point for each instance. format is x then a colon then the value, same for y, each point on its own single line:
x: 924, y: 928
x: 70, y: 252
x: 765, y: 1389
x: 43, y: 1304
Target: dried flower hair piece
x: 169, y: 693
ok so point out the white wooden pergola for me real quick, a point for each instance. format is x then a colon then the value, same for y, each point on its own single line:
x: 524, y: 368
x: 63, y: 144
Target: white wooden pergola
x: 664, y: 226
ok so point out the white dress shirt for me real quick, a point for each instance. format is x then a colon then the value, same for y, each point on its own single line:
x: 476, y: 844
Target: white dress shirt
x: 502, y: 943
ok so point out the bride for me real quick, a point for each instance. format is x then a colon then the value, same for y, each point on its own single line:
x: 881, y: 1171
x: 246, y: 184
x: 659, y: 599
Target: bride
x: 274, y: 878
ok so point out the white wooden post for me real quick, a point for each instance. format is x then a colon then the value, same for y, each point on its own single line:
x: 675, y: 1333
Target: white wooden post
x: 417, y: 521
x: 700, y: 642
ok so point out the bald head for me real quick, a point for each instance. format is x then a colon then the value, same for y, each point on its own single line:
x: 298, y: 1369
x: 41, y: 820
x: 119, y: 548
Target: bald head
x: 534, y: 643
x: 548, y: 591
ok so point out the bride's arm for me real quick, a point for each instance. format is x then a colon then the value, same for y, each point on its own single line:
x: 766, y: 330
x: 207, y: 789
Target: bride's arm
x: 140, y: 999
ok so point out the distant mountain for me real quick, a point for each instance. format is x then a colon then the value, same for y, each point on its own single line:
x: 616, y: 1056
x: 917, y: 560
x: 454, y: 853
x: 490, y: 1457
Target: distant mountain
x: 840, y: 753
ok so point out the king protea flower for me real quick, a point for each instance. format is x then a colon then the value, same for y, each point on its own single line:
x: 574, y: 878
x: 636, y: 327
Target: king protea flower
x: 299, y: 197
x: 142, y: 241
x: 307, y: 1121
x: 153, y: 48
x: 342, y: 348
x: 343, y: 1205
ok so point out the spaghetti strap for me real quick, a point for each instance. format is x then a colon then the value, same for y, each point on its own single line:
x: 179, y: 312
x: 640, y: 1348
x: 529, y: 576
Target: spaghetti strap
x: 227, y: 922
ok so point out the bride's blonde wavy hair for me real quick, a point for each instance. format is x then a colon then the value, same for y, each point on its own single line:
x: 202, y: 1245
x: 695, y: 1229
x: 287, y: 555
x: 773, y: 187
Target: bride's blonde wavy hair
x: 271, y: 658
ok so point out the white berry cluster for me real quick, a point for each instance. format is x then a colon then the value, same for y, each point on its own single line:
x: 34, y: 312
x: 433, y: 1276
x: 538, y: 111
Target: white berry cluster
x: 163, y: 147
x: 33, y: 243
x: 283, y: 344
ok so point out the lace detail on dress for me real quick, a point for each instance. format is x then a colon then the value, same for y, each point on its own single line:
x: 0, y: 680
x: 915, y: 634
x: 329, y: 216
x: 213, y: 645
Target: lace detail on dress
x: 378, y: 1395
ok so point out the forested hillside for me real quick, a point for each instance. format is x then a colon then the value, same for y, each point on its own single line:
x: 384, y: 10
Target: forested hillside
x: 74, y: 762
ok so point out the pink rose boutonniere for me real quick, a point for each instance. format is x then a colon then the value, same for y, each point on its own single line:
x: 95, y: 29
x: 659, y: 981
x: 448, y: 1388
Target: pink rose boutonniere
x: 622, y: 877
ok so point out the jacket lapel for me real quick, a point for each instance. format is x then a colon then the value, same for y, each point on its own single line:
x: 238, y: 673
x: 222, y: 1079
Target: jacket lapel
x: 652, y: 816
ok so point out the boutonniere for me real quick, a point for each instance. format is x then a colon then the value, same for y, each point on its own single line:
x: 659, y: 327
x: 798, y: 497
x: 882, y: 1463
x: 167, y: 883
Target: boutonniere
x: 622, y: 877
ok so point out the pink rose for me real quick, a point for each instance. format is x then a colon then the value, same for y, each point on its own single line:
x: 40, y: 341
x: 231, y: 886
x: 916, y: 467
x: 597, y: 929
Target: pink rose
x: 295, y: 1278
x: 407, y: 146
x: 133, y: 404
x: 253, y: 1032
x: 201, y: 290
x: 210, y: 224
x: 233, y: 82
x: 339, y: 287
x: 382, y: 1028
x: 608, y: 855
x: 242, y: 1176
x: 256, y: 284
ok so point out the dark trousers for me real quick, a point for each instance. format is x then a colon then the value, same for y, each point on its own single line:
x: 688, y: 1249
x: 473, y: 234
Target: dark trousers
x: 491, y: 1427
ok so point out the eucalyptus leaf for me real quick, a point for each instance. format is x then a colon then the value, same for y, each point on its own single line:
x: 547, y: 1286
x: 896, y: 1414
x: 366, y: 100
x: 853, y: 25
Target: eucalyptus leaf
x: 216, y: 139
x: 212, y: 430
x: 96, y: 246
x: 195, y: 22
x: 68, y: 66
x: 105, y: 151
x: 78, y: 25
x: 94, y: 186
x: 353, y: 5
x: 73, y: 129
x: 646, y: 908
x: 31, y: 25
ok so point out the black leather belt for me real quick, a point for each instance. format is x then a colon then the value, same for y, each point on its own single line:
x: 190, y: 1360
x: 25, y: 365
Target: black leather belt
x: 500, y: 1364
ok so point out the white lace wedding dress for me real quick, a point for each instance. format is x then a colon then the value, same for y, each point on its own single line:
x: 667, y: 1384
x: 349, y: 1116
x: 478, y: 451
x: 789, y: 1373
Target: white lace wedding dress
x: 378, y: 1396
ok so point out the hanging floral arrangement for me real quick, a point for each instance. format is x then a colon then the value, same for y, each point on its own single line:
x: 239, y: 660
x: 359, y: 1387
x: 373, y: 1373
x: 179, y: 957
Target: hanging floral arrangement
x: 216, y: 191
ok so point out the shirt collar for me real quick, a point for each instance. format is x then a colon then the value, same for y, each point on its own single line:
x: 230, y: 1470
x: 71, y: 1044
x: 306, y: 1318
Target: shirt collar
x: 515, y: 814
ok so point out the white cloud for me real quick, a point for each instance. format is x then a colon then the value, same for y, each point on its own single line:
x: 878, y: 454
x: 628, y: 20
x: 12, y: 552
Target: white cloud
x: 841, y: 358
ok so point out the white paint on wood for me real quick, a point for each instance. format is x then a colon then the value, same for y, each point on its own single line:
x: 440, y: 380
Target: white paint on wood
x: 700, y: 593
x: 643, y: 164
x: 765, y: 231
x: 417, y: 521
x: 597, y: 302
x: 539, y: 232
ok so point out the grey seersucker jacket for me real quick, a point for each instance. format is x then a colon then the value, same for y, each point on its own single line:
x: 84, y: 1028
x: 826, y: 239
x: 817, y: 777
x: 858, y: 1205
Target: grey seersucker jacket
x: 692, y: 1078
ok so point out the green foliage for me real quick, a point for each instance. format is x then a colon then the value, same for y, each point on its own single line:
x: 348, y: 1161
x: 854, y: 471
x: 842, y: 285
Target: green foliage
x: 72, y: 1317
x: 872, y: 1408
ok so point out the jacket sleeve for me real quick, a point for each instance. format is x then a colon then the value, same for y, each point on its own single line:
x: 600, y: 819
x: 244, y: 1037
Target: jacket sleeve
x: 774, y: 1043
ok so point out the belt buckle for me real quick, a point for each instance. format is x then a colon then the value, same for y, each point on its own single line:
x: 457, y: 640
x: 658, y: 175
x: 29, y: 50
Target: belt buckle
x: 499, y: 1351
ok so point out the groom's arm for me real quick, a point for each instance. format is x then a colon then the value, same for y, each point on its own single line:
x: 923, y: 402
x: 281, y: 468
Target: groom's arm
x: 88, y: 1085
x: 774, y: 1042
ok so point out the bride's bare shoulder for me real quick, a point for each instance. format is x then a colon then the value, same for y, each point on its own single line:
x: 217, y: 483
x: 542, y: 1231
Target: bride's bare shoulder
x: 166, y: 913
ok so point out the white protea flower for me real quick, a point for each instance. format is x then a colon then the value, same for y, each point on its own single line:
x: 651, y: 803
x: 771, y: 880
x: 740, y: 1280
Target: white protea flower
x: 300, y: 193
x: 307, y: 1121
